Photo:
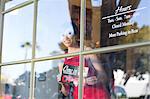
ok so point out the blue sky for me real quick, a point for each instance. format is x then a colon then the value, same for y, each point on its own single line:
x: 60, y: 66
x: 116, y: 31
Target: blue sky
x: 143, y: 17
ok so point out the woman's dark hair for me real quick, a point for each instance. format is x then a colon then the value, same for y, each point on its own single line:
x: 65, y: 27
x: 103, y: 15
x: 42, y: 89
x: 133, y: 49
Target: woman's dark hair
x: 76, y: 30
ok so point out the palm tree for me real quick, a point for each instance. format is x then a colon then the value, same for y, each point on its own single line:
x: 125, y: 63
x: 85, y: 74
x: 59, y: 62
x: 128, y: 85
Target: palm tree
x: 26, y: 45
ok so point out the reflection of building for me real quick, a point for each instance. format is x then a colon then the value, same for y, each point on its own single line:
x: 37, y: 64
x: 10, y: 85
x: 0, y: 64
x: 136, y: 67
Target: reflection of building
x: 47, y: 88
x: 45, y: 85
x: 92, y: 35
x: 22, y: 85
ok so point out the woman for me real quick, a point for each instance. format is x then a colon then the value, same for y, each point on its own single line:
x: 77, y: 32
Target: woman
x: 94, y: 75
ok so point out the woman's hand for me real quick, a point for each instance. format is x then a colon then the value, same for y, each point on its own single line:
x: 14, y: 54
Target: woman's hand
x: 59, y: 77
x: 63, y: 90
x: 91, y: 80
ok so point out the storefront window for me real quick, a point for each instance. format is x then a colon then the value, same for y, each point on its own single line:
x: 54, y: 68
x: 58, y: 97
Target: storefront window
x: 128, y: 70
x: 117, y: 22
x: 17, y: 38
x: 125, y: 70
x: 15, y: 84
x: 51, y: 67
x: 46, y: 79
x: 46, y: 84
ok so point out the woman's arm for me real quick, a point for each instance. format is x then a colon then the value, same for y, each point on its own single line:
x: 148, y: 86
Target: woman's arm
x: 60, y: 68
x: 101, y: 74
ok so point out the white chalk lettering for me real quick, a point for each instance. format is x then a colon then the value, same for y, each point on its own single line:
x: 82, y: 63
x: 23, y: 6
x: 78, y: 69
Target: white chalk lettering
x: 132, y: 31
x: 123, y: 9
x: 121, y: 24
x: 111, y: 35
x: 118, y: 18
x: 70, y: 71
x: 110, y: 20
x: 122, y: 33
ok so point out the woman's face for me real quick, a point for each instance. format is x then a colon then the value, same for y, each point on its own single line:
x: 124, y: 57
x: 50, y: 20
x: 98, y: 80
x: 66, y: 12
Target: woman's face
x: 68, y: 39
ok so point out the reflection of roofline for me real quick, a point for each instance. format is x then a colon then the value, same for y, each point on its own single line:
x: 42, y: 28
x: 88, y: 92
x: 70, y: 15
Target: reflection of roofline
x: 7, y: 1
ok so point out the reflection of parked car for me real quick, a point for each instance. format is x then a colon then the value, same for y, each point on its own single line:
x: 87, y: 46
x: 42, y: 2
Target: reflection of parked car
x: 138, y: 88
x: 120, y: 92
x: 135, y: 87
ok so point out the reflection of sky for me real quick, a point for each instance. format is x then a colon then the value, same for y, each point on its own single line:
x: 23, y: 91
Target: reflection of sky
x: 13, y: 3
x: 15, y: 70
x: 16, y: 32
x: 142, y: 17
x: 52, y: 19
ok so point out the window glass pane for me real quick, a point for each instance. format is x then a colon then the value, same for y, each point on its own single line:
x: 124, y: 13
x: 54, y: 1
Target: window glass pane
x: 15, y: 81
x: 123, y: 22
x: 18, y: 27
x: 117, y: 73
x: 95, y: 80
x: 46, y: 79
x: 126, y: 71
x: 12, y: 3
x: 53, y: 26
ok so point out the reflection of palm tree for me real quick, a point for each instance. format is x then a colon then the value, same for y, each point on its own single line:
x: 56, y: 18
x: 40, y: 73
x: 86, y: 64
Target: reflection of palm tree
x: 27, y: 46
